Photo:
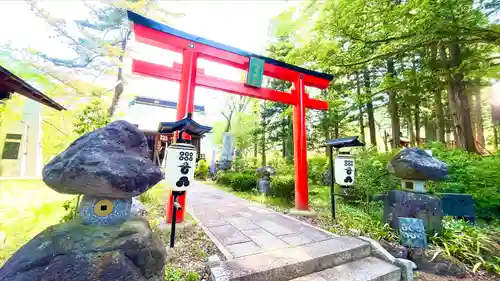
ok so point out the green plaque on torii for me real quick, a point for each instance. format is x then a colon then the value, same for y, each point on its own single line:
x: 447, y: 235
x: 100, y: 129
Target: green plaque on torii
x: 255, y: 72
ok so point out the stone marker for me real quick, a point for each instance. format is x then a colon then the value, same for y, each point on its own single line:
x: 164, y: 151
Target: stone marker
x: 417, y: 164
x: 413, y: 205
x: 459, y: 206
x: 412, y: 233
x: 75, y: 251
x: 265, y: 181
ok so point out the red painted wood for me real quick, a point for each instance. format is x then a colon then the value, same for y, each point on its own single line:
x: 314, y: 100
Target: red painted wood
x: 178, y: 66
x: 167, y: 41
x: 300, y: 148
x: 215, y: 83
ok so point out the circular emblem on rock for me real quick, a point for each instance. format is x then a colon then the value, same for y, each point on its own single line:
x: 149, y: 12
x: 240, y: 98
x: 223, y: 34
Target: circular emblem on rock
x: 102, y: 211
x: 103, y: 207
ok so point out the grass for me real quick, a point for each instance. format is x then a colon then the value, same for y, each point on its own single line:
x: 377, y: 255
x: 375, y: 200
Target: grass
x: 26, y: 208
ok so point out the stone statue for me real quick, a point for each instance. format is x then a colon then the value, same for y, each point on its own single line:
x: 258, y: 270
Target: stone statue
x: 108, y: 166
x: 265, y: 177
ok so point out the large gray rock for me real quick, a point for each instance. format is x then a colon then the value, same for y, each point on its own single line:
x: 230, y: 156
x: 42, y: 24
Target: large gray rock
x: 74, y: 251
x: 413, y: 205
x: 417, y: 164
x: 110, y: 162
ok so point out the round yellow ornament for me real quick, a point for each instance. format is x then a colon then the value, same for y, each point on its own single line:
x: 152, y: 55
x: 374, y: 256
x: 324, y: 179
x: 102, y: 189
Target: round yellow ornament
x: 103, y: 207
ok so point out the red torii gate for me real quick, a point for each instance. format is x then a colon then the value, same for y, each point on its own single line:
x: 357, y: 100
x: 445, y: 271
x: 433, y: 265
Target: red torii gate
x: 193, y: 47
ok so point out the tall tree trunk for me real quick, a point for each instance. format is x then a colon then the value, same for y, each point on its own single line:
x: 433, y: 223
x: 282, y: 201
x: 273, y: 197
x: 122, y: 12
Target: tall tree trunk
x: 459, y: 103
x: 438, y: 102
x: 369, y: 110
x: 360, y: 108
x: 263, y: 144
x: 393, y: 107
x: 411, y: 133
x: 495, y: 137
x: 336, y: 130
x: 479, y: 121
x: 439, y: 116
x: 417, y: 123
x: 119, y: 79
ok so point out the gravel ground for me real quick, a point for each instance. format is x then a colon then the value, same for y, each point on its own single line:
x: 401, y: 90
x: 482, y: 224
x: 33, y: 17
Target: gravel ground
x: 191, y: 251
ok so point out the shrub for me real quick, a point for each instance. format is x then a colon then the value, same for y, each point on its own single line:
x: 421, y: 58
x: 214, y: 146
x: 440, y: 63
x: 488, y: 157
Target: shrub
x: 473, y: 174
x: 238, y: 181
x: 224, y: 178
x: 283, y: 187
x: 201, y: 171
x: 316, y: 166
x: 244, y: 182
x: 372, y: 176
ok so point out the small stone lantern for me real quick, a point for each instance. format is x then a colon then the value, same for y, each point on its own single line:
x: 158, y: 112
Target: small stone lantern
x: 265, y: 174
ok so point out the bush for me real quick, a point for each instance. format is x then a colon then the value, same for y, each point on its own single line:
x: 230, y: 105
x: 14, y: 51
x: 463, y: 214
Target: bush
x: 283, y: 187
x: 316, y: 166
x: 472, y: 174
x: 244, y: 182
x: 237, y: 181
x: 201, y: 171
x: 372, y: 176
x: 224, y: 178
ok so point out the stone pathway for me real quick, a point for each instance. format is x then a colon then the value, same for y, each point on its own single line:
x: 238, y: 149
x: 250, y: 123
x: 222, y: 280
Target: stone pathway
x: 261, y: 245
x: 239, y: 227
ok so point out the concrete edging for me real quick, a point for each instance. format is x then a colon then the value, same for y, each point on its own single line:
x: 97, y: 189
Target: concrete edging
x: 378, y: 251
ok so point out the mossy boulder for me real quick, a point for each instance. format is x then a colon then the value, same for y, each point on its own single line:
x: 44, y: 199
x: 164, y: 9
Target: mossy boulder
x: 74, y: 251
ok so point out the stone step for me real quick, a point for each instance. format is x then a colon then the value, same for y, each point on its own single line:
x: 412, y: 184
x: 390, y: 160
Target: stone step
x: 289, y: 263
x: 366, y: 269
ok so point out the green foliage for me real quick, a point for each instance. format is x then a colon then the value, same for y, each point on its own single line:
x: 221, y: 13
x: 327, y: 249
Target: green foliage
x: 93, y: 117
x: 283, y: 187
x: 372, y: 176
x: 316, y: 166
x: 238, y: 181
x: 473, y: 174
x: 201, y: 171
x: 177, y: 274
x: 474, y: 246
x: 71, y: 208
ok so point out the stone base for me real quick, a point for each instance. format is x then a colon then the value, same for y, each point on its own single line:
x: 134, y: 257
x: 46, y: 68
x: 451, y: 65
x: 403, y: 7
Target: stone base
x: 302, y: 213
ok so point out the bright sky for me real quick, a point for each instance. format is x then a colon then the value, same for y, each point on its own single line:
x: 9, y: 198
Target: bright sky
x: 242, y: 24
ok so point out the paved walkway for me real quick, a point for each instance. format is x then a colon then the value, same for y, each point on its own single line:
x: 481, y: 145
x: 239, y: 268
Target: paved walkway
x: 241, y: 228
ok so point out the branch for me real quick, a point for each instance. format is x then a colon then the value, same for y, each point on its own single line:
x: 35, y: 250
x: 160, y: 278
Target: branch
x: 55, y: 128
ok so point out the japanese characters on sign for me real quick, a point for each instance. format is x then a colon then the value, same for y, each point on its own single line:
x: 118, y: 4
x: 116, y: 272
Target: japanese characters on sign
x: 181, y: 163
x: 412, y: 232
x: 344, y: 170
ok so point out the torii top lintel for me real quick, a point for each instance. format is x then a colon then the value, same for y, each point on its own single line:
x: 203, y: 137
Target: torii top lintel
x: 160, y: 35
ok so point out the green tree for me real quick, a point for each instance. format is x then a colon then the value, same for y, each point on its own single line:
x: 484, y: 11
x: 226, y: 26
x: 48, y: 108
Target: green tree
x: 100, y: 43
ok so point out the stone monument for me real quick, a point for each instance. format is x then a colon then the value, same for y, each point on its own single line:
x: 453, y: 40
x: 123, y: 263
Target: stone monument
x: 415, y: 164
x: 108, y: 166
x: 226, y: 157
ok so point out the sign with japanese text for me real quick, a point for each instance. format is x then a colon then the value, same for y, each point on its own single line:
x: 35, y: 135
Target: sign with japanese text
x: 255, y: 72
x: 180, y: 165
x: 344, y: 170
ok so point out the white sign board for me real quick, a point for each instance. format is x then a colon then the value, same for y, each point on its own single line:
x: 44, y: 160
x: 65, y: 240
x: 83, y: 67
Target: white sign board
x: 344, y: 170
x: 180, y: 165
